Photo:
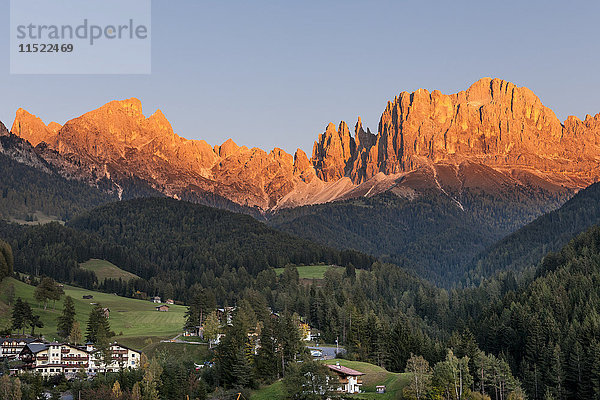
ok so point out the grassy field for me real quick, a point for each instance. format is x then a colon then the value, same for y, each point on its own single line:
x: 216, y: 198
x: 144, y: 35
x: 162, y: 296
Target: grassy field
x: 105, y: 269
x: 274, y: 391
x: 133, y: 318
x: 152, y: 345
x: 41, y: 219
x: 311, y: 271
x: 375, y: 376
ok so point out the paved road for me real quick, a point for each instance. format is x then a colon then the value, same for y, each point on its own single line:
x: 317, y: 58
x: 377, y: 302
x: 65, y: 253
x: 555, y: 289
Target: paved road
x: 328, y: 352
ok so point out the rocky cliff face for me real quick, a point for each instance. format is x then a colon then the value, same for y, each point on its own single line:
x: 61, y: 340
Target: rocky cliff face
x: 493, y: 122
x: 439, y: 138
x: 3, y: 130
x: 32, y: 128
x: 117, y: 142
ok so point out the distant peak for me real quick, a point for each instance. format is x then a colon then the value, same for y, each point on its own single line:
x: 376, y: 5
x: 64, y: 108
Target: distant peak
x: 131, y: 106
x: 31, y: 128
x: 228, y: 148
x: 158, y: 115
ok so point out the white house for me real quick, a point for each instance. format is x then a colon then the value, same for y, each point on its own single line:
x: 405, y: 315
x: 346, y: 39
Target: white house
x: 54, y: 358
x: 11, y: 347
x: 122, y: 357
x: 50, y: 359
x: 350, y: 380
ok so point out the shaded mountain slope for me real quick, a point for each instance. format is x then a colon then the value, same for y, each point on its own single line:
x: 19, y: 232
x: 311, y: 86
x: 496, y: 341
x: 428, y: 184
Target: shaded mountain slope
x: 550, y: 232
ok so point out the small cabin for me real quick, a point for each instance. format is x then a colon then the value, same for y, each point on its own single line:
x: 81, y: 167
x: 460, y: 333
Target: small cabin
x: 380, y: 388
x: 170, y: 301
x: 106, y: 312
x: 163, y: 308
x: 87, y: 296
x: 156, y: 299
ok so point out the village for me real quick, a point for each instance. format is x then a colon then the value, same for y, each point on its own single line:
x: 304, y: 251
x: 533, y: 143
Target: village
x: 51, y: 358
x: 28, y: 354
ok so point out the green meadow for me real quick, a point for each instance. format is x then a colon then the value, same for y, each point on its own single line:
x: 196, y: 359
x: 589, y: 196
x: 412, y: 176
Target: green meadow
x: 311, y: 271
x: 105, y: 269
x: 129, y: 318
x: 373, y: 377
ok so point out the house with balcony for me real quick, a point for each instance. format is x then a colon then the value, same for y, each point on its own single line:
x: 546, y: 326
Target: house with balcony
x: 11, y: 347
x: 350, y: 380
x: 122, y: 357
x: 50, y: 359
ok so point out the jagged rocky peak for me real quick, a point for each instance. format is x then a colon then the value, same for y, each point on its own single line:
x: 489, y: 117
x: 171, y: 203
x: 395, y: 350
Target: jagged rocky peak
x: 303, y: 168
x: 363, y: 139
x: 228, y: 148
x: 332, y: 151
x: 494, y: 122
x: 33, y: 129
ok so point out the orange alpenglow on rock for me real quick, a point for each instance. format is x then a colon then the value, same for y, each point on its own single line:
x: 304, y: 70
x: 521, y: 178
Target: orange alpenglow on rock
x: 32, y: 129
x: 493, y: 128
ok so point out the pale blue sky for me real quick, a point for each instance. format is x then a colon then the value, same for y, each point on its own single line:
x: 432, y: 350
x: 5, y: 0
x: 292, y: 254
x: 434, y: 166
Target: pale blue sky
x: 274, y: 73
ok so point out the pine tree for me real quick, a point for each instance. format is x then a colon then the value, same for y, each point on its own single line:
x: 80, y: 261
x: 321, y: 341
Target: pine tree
x: 66, y: 320
x: 22, y: 316
x: 18, y: 317
x: 97, y: 325
x: 6, y: 260
x: 267, y: 358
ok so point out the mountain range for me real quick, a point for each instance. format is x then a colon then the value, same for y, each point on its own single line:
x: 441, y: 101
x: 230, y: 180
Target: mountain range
x: 493, y: 137
x: 444, y: 178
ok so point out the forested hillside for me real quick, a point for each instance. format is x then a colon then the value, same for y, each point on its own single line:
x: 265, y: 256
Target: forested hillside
x: 165, y: 241
x: 546, y: 327
x: 25, y: 190
x: 431, y: 234
x: 549, y: 329
x: 550, y: 232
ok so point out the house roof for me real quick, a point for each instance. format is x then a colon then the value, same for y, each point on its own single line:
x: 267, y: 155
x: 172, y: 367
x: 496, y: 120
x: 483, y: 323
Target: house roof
x: 37, y: 347
x: 13, y: 339
x: 125, y: 347
x: 340, y: 369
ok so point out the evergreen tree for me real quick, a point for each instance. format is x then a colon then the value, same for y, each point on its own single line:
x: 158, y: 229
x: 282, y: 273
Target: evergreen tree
x: 203, y: 303
x: 6, y: 260
x: 268, y: 360
x: 98, y: 325
x: 22, y: 316
x: 18, y: 317
x: 35, y: 322
x: 66, y: 320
